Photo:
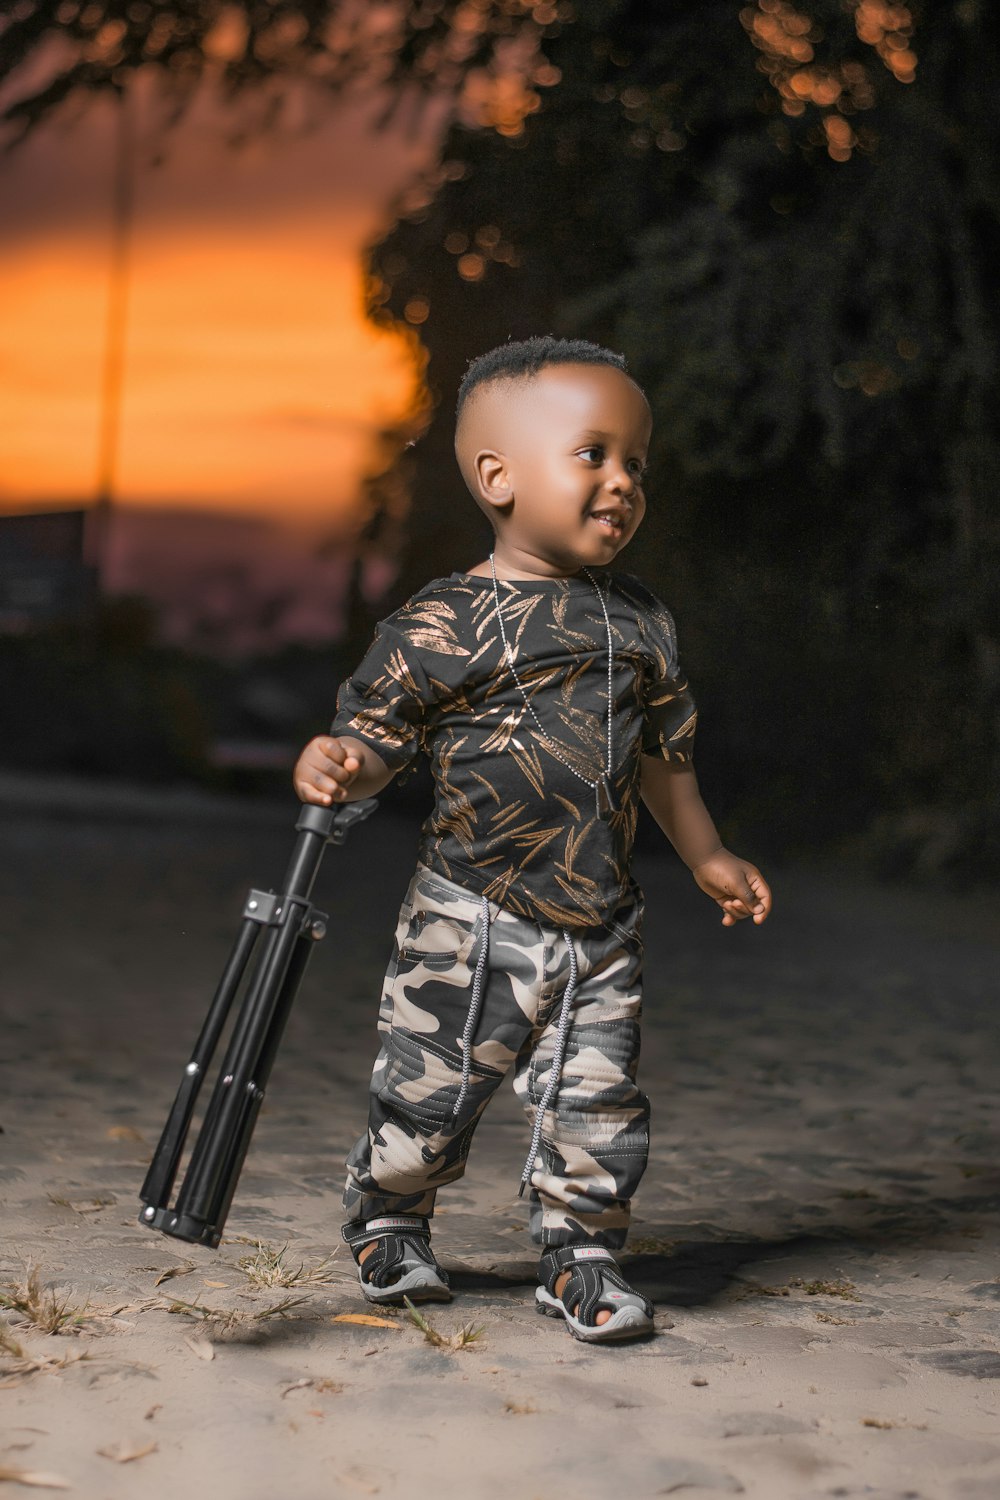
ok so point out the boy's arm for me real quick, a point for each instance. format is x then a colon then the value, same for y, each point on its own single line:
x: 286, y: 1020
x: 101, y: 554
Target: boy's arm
x: 339, y: 768
x: 672, y: 796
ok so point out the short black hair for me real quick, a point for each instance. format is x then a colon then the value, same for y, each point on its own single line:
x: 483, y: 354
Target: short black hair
x: 522, y: 358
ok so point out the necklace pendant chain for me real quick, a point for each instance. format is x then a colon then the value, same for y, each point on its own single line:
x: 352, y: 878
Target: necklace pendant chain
x: 604, y: 797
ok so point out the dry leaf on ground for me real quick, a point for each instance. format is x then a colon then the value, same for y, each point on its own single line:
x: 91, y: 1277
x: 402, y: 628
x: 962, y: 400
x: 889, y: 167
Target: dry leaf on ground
x: 172, y: 1271
x: 296, y: 1385
x: 125, y: 1133
x: 201, y: 1347
x: 124, y: 1453
x: 367, y: 1320
x: 334, y: 1387
x: 30, y: 1364
x: 356, y: 1480
x: 82, y: 1205
x: 34, y: 1479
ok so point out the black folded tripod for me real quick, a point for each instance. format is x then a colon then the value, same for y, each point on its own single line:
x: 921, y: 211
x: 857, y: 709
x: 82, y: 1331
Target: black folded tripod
x: 290, y: 925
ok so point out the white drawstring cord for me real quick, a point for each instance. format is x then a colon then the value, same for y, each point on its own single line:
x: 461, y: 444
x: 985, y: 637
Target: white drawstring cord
x: 555, y: 1070
x: 475, y: 1005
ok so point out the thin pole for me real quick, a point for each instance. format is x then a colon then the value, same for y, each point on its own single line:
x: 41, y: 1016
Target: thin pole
x: 112, y: 378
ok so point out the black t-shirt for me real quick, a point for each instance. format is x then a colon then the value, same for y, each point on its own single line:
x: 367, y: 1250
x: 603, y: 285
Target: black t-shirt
x: 510, y: 820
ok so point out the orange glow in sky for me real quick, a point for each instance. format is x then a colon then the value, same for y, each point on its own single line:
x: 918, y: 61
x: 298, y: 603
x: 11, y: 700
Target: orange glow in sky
x: 252, y: 382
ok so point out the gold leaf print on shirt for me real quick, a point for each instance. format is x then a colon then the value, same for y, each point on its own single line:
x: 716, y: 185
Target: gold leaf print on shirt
x: 526, y: 836
x: 530, y: 764
x: 578, y: 885
x: 497, y: 742
x: 368, y: 727
x: 398, y: 670
x: 567, y: 916
x: 507, y: 815
x: 573, y: 841
x: 458, y: 816
x: 431, y: 609
x: 459, y: 821
x: 534, y: 843
x: 517, y: 612
x: 487, y: 786
x: 439, y: 638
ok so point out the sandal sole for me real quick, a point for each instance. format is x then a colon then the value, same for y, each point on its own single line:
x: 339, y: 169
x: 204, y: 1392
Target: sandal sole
x: 626, y: 1324
x: 414, y: 1294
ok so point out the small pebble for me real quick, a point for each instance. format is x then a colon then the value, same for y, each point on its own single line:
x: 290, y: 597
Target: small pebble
x: 698, y: 1380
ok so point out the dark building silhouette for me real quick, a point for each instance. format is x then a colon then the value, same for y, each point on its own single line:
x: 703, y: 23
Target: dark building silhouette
x: 45, y: 573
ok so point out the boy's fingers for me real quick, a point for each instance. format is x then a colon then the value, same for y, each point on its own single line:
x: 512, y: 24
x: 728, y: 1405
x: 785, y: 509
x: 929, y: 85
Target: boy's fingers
x: 327, y: 783
x: 336, y: 774
x: 309, y: 793
x: 755, y: 901
x: 762, y: 898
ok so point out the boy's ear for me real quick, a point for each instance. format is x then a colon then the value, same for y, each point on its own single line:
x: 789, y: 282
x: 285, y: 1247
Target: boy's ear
x: 492, y: 478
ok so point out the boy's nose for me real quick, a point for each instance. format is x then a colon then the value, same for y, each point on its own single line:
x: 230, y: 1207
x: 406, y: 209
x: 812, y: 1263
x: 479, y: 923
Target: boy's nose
x: 621, y: 482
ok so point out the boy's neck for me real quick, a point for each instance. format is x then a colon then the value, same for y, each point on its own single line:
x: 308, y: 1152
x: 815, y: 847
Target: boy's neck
x: 518, y: 567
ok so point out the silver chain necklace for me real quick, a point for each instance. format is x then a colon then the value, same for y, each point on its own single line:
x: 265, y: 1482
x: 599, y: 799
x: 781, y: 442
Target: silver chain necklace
x: 604, y: 801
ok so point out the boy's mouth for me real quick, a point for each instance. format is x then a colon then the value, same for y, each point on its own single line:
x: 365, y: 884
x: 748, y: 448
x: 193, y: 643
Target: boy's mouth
x: 611, y: 521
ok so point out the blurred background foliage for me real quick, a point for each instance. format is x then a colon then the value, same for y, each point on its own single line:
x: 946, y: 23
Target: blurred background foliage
x: 788, y: 218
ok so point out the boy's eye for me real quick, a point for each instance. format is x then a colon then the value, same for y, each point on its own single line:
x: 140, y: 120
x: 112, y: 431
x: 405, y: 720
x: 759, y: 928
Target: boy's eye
x: 637, y: 468
x: 593, y: 453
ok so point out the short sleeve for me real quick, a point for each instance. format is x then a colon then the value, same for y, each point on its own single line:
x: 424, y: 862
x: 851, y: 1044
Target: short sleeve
x: 384, y: 702
x: 669, y: 713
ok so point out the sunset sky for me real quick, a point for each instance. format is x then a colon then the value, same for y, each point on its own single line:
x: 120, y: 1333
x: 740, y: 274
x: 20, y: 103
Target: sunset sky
x: 252, y: 381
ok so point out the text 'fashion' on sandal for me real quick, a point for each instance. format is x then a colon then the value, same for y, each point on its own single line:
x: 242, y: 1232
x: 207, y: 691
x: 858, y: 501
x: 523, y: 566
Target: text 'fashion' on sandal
x: 402, y: 1263
x: 595, y: 1283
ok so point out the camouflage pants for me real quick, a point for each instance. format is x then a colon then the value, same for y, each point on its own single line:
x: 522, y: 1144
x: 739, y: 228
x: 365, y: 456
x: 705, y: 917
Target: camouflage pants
x: 594, y: 1140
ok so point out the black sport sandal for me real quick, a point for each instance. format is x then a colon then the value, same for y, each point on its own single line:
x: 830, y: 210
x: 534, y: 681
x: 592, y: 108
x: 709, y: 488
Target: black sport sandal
x: 595, y: 1283
x: 402, y: 1264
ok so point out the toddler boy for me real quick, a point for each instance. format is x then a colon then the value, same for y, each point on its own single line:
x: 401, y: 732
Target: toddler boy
x: 547, y: 694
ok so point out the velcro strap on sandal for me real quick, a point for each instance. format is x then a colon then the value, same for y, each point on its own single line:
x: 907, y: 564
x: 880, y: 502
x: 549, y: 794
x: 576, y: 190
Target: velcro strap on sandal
x: 359, y: 1232
x: 565, y: 1257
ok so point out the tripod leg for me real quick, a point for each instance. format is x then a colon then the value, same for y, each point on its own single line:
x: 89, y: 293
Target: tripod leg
x: 236, y: 1086
x: 233, y: 1165
x: 230, y: 1057
x: 163, y: 1168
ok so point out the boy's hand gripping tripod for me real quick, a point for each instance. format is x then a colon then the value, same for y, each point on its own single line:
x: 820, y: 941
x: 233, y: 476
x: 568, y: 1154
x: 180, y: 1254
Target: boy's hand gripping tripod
x: 290, y: 925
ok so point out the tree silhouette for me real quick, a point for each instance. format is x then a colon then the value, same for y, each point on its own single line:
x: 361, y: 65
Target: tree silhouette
x: 805, y: 286
x: 465, y: 50
x: 787, y: 216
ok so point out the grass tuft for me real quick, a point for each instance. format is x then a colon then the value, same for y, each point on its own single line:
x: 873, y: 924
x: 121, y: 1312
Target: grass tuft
x: 230, y: 1319
x: 466, y: 1335
x: 647, y: 1244
x: 842, y: 1288
x: 9, y: 1344
x: 267, y: 1268
x: 40, y: 1307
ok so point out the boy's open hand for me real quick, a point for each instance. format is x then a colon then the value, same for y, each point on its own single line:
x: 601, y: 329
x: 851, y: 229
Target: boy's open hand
x: 325, y: 770
x: 735, y: 885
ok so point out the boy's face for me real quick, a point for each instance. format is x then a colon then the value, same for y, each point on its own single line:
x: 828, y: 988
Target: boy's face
x: 560, y: 458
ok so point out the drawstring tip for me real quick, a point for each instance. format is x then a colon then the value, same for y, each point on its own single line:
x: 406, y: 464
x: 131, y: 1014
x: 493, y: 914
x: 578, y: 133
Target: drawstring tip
x: 521, y: 1187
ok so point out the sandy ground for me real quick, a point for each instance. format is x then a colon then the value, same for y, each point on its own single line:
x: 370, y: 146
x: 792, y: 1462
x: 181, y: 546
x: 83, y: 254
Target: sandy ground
x: 818, y: 1226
